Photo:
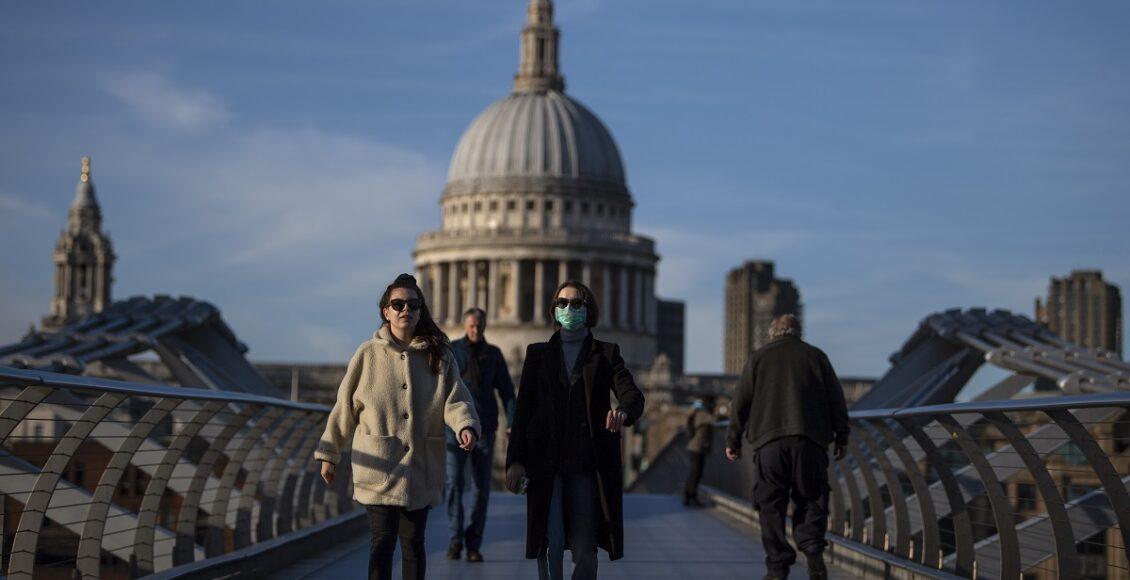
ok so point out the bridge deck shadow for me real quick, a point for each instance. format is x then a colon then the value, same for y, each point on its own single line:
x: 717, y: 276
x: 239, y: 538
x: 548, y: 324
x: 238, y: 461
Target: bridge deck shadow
x: 663, y: 540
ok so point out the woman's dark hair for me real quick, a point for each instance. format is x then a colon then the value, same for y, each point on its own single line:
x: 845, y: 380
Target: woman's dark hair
x: 426, y: 328
x: 592, y: 311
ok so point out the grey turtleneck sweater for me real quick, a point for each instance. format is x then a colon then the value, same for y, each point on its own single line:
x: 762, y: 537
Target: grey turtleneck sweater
x: 571, y: 341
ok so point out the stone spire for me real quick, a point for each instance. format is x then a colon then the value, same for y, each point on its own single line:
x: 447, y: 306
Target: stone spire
x: 83, y: 259
x: 537, y: 68
x: 85, y: 215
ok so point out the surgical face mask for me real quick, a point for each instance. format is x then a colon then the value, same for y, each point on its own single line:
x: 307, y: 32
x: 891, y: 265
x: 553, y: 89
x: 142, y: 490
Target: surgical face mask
x: 570, y: 318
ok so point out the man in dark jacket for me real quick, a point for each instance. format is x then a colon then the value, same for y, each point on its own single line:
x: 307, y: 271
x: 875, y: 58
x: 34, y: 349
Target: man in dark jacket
x: 484, y: 371
x: 790, y: 406
x: 700, y: 435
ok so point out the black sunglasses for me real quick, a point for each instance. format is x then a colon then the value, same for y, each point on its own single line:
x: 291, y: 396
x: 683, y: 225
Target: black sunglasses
x: 398, y: 304
x: 575, y: 304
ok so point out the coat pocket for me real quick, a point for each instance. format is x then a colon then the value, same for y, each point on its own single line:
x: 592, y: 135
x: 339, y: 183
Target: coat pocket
x: 374, y: 458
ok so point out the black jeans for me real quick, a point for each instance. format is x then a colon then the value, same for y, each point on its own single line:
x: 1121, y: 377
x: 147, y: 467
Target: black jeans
x: 796, y: 468
x: 697, y: 460
x: 386, y: 522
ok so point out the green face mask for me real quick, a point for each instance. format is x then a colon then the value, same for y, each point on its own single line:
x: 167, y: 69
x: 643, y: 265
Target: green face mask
x: 569, y: 318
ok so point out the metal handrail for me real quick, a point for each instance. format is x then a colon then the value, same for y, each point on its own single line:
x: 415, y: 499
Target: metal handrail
x: 1089, y: 401
x: 92, y: 384
x: 262, y: 446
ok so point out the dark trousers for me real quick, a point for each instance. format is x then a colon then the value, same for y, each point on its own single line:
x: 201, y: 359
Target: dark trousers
x: 386, y: 523
x: 574, y: 513
x: 482, y: 458
x: 697, y: 460
x: 796, y: 468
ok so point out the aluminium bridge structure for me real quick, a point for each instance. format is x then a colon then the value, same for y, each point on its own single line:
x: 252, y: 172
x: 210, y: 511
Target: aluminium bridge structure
x: 1028, y: 479
x: 109, y: 478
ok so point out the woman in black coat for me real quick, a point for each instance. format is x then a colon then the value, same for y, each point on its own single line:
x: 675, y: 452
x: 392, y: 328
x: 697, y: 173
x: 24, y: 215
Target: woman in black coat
x: 565, y: 439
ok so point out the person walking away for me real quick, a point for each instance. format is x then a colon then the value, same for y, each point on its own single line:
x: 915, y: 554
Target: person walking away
x: 400, y: 389
x: 484, y: 371
x: 700, y: 435
x: 790, y: 406
x: 566, y: 439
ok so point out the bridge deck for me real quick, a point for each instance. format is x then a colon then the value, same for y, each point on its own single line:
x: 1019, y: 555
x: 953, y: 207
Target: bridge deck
x: 664, y: 540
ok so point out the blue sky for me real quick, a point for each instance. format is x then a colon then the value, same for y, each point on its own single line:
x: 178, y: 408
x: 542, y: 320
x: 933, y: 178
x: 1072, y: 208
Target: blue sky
x: 278, y: 159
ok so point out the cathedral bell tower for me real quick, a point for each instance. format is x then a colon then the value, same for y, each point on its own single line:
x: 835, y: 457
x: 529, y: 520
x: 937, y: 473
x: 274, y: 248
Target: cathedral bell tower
x: 83, y: 260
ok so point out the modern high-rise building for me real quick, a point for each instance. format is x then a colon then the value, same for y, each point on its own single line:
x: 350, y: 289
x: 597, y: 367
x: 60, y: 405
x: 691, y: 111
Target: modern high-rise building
x: 671, y: 339
x: 84, y: 259
x: 1084, y: 309
x: 754, y: 297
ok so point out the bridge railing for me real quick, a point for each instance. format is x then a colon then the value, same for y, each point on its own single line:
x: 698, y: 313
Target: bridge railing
x: 989, y: 489
x: 103, y: 478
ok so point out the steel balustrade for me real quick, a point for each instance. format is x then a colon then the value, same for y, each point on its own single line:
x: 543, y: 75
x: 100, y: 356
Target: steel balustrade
x: 215, y: 462
x: 928, y: 486
x: 923, y: 485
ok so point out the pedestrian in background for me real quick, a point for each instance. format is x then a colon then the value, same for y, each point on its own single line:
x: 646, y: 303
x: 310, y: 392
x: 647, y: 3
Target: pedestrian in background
x: 790, y: 407
x: 700, y: 436
x: 566, y: 439
x: 399, y: 391
x: 484, y: 371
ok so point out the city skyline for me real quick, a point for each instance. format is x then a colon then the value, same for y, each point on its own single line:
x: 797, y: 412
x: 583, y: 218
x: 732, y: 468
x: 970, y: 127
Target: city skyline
x: 270, y: 196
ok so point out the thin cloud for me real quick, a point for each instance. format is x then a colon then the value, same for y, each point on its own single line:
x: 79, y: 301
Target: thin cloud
x: 159, y: 101
x: 316, y: 193
x: 13, y: 205
x: 988, y: 280
x: 323, y: 342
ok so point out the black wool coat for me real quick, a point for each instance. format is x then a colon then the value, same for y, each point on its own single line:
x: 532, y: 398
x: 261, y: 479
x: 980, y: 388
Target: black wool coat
x: 535, y: 436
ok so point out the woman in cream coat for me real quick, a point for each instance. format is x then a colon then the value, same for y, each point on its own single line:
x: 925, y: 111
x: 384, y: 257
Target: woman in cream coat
x: 399, y: 391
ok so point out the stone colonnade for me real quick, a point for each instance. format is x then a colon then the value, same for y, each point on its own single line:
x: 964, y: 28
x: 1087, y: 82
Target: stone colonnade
x: 518, y: 291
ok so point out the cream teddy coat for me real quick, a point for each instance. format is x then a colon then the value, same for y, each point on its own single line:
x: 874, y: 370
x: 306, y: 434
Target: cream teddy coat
x: 393, y: 408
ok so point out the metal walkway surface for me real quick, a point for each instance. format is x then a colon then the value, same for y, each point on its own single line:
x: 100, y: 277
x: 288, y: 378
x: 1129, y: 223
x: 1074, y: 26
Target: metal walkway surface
x: 663, y: 540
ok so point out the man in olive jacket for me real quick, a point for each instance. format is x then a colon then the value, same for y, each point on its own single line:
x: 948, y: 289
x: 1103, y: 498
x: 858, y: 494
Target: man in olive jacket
x: 790, y: 406
x: 700, y: 435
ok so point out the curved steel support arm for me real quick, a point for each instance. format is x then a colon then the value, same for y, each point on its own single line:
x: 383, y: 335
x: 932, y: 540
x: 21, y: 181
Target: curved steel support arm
x: 90, y: 544
x: 847, y: 475
x: 1104, y: 469
x: 35, y: 508
x: 998, y: 500
x: 279, y: 470
x: 19, y: 407
x: 1067, y: 556
x: 894, y: 489
x: 959, y: 511
x: 874, y: 498
x: 185, y: 550
x: 254, y: 470
x: 151, y: 503
x: 930, y: 532
x: 217, y: 519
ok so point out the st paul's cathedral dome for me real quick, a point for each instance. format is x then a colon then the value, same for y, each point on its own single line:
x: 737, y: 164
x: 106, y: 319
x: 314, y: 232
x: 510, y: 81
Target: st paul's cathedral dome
x: 537, y: 195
